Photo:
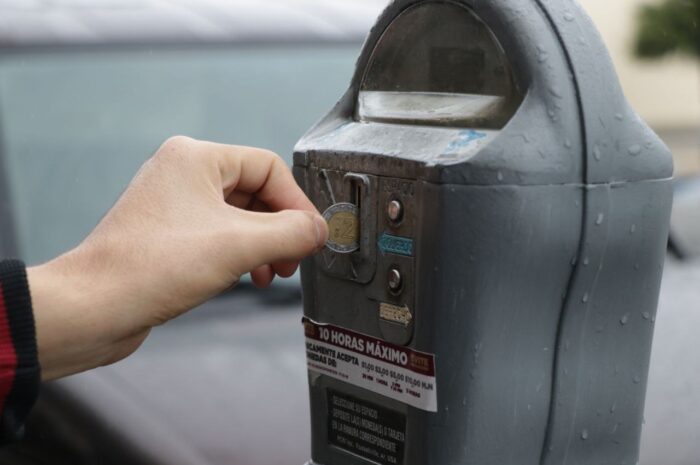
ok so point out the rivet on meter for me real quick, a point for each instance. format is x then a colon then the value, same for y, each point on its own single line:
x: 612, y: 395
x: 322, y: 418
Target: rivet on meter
x: 394, y: 279
x: 394, y: 210
x: 343, y: 228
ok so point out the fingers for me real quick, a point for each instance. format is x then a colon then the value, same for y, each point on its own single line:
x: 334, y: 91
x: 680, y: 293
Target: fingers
x: 248, y: 170
x: 282, y: 238
x: 255, y: 181
x: 285, y: 270
x: 245, y: 170
x: 269, y: 178
x: 262, y: 276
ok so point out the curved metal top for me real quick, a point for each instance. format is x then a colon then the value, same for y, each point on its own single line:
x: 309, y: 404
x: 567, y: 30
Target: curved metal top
x: 619, y: 145
x: 574, y: 125
x: 107, y: 22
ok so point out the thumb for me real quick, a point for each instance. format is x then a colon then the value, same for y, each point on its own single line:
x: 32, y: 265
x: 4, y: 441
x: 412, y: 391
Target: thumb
x: 286, y: 236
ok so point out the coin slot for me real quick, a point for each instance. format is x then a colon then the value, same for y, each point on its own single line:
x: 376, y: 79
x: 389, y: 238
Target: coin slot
x: 357, y: 192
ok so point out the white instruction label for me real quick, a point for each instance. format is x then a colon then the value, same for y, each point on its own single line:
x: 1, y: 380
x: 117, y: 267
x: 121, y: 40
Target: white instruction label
x: 373, y: 364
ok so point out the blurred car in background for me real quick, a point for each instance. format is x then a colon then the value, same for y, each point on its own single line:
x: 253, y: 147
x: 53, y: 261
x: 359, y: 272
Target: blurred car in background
x: 88, y: 90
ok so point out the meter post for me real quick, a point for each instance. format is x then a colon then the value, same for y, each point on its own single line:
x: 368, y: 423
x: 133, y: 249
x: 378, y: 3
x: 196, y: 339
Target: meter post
x: 499, y: 217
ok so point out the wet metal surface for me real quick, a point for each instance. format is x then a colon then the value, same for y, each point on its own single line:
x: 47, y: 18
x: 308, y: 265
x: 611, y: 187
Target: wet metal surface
x: 671, y: 433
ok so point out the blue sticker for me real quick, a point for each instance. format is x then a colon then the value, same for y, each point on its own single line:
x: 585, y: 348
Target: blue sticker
x: 396, y: 245
x: 464, y: 139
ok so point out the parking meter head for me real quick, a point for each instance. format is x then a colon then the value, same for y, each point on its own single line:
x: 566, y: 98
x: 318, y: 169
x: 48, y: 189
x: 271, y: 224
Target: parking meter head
x: 512, y: 214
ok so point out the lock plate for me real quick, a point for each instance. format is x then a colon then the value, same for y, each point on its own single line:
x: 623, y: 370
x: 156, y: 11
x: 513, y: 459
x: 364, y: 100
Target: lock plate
x: 348, y: 201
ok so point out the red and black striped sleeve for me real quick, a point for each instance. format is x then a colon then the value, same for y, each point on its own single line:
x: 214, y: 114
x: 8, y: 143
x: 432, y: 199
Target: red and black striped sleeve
x: 19, y: 366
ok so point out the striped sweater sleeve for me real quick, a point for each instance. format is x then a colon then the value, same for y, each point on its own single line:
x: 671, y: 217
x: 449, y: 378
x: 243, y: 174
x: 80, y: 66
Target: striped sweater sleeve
x: 19, y: 366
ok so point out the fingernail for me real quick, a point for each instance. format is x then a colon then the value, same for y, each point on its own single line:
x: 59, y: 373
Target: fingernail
x: 321, y: 231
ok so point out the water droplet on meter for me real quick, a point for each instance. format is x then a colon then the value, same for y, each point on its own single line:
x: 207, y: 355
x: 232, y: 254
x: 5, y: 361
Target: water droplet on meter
x: 635, y: 150
x: 569, y: 16
x: 554, y: 90
x: 584, y: 434
x: 600, y: 219
x: 625, y: 319
x: 597, y: 153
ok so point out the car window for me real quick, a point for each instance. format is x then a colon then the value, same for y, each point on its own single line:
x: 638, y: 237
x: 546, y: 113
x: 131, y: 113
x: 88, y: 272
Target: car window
x: 76, y: 126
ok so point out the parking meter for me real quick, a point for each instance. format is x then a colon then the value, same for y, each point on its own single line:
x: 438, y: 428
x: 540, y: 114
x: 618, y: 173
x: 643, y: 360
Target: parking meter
x: 498, y: 219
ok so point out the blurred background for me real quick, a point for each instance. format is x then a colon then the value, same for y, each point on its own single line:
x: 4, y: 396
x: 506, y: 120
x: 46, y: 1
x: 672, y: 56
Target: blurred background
x: 656, y: 48
x: 90, y: 88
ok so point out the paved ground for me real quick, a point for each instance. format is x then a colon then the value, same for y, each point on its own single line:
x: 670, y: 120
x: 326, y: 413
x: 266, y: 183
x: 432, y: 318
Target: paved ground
x: 672, y: 430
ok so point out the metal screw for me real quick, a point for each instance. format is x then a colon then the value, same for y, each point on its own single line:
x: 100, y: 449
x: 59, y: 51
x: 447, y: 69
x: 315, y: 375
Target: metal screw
x: 395, y: 280
x: 394, y: 210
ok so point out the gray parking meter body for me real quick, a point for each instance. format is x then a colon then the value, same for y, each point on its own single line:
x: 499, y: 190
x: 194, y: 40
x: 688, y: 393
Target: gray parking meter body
x: 499, y: 216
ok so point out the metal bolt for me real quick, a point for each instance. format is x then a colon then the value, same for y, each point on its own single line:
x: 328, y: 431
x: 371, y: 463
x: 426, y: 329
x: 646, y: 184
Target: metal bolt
x: 394, y: 210
x: 395, y: 280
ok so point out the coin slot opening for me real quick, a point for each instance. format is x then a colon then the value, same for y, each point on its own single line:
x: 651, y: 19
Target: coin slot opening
x: 357, y: 192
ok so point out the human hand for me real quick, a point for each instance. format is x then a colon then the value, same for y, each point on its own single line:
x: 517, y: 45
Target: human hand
x: 196, y: 218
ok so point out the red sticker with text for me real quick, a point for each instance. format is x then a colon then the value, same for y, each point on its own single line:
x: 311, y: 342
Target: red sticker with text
x: 394, y: 371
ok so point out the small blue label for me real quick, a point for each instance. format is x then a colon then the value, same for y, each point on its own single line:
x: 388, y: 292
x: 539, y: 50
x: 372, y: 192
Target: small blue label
x: 464, y: 139
x: 396, y: 245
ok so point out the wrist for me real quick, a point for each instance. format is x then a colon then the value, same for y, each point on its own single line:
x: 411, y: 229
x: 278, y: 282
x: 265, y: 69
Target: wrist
x: 74, y: 322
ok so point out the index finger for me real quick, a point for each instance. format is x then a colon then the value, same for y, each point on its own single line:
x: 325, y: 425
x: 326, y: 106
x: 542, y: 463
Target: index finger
x: 259, y: 172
